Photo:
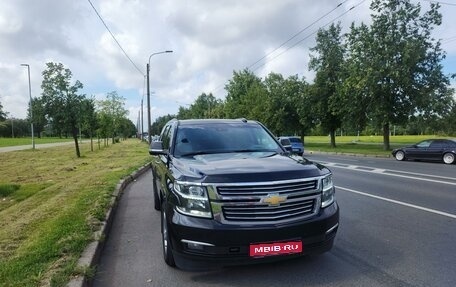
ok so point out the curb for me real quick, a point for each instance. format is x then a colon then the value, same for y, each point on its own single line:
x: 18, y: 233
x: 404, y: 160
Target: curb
x: 91, y: 254
x: 348, y: 154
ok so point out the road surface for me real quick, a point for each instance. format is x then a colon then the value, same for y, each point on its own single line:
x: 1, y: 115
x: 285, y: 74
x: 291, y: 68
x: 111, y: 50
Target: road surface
x: 397, y: 228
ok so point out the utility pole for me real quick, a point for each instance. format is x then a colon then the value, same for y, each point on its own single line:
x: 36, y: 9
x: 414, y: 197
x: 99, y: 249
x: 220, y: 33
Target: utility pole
x: 149, y: 122
x: 142, y: 120
x: 31, y: 107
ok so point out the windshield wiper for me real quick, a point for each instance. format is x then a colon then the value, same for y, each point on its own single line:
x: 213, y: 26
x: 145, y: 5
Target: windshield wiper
x: 195, y: 153
x: 251, y: 150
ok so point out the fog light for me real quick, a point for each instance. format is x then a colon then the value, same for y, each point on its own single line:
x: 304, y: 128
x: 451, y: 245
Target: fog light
x: 195, y: 245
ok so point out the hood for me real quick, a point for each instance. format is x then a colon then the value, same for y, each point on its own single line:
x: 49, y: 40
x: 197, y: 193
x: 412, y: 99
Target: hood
x: 244, y: 167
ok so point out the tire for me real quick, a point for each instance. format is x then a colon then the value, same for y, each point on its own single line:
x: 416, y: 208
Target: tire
x: 167, y: 250
x: 157, y: 205
x: 400, y: 155
x: 448, y: 158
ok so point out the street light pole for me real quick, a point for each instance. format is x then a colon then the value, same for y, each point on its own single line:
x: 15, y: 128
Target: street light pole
x: 142, y: 120
x: 31, y: 109
x: 149, y: 140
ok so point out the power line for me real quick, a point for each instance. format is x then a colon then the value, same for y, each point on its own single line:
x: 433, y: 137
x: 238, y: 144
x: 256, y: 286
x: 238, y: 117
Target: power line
x: 112, y: 35
x: 284, y: 43
x: 440, y: 2
x: 308, y: 36
x: 297, y: 34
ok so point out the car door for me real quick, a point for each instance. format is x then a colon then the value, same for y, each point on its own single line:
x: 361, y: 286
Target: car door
x: 419, y: 151
x: 436, y: 149
x: 161, y: 161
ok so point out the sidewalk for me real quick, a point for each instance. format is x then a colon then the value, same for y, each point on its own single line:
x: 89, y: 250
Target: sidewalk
x: 37, y: 146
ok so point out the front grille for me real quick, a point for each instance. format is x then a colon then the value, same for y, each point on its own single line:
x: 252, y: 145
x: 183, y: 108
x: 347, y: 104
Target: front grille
x: 250, y: 203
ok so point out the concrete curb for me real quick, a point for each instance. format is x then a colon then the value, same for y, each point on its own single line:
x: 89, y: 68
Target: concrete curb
x: 91, y: 255
x: 347, y: 154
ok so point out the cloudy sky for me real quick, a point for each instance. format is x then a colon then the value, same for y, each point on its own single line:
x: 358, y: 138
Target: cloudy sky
x: 210, y: 39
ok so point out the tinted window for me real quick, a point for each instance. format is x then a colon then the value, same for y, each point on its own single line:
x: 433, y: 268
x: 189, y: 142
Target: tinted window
x: 295, y: 140
x: 423, y: 144
x: 438, y: 144
x: 451, y: 143
x: 166, y: 136
x: 285, y: 141
x: 222, y: 138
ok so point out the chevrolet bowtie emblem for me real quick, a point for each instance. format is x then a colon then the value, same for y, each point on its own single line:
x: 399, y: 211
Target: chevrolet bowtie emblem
x: 274, y: 199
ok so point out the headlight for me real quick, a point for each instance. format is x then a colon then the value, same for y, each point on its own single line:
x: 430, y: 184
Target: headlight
x: 192, y: 200
x: 327, y: 195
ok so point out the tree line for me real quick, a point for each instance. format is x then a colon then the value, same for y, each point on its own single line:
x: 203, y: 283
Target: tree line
x: 63, y: 111
x: 382, y: 78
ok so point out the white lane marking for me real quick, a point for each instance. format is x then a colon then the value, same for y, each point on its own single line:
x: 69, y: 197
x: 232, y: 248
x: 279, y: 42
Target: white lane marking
x: 384, y: 172
x: 399, y: 202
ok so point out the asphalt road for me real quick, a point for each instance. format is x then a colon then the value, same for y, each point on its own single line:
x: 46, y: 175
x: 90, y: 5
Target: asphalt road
x: 397, y: 228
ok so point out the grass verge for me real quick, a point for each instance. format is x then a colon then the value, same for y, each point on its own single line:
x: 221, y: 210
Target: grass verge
x: 366, y: 145
x: 50, y: 204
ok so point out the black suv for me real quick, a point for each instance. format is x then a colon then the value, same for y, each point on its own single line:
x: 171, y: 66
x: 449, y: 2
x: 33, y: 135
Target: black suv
x: 230, y: 194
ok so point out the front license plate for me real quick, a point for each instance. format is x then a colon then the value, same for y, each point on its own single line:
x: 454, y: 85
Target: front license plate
x: 268, y: 249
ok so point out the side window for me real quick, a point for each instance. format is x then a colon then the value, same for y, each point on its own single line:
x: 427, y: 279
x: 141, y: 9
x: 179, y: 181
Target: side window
x: 437, y: 144
x: 423, y: 144
x: 165, y: 137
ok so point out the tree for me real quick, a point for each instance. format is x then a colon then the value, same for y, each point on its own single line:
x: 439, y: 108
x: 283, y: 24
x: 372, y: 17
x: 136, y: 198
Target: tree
x: 89, y: 119
x: 61, y: 101
x: 39, y: 116
x: 127, y: 128
x: 236, y: 103
x: 112, y: 111
x: 159, y: 123
x: 325, y: 91
x: 204, y: 106
x: 280, y: 107
x: 395, y: 69
x: 2, y: 113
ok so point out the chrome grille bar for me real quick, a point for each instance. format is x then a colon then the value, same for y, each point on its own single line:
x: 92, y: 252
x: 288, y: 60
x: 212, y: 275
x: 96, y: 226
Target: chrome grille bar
x: 250, y: 203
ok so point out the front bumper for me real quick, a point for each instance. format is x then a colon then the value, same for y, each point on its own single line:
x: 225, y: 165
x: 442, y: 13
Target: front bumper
x: 201, y: 243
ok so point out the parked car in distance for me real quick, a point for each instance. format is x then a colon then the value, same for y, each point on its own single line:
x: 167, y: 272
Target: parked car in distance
x: 229, y: 194
x: 429, y: 150
x: 296, y: 144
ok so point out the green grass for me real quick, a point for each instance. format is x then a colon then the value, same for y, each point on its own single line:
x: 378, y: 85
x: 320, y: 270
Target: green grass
x: 366, y: 145
x: 50, y: 204
x: 395, y: 140
x: 4, y: 142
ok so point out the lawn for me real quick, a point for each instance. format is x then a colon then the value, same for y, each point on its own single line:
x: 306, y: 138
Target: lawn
x: 50, y: 204
x: 368, y: 145
x: 28, y: 141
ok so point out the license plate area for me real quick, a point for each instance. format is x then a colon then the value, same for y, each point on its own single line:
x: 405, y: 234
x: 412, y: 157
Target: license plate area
x: 276, y: 248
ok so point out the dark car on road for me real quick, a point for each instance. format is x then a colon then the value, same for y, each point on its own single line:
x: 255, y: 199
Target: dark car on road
x: 429, y: 150
x: 230, y: 194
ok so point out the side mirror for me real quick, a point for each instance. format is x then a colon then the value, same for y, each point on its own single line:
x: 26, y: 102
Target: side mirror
x: 156, y: 148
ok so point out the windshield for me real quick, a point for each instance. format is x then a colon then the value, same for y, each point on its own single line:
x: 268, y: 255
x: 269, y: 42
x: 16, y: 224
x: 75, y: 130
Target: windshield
x: 295, y: 140
x: 223, y: 138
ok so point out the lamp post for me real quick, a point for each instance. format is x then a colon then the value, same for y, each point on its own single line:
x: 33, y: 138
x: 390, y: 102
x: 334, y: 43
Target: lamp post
x: 142, y: 121
x: 31, y: 109
x: 149, y: 140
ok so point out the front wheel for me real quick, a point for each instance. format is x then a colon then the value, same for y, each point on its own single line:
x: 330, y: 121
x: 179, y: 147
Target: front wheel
x: 167, y: 252
x: 399, y: 155
x: 156, y: 198
x: 448, y: 158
